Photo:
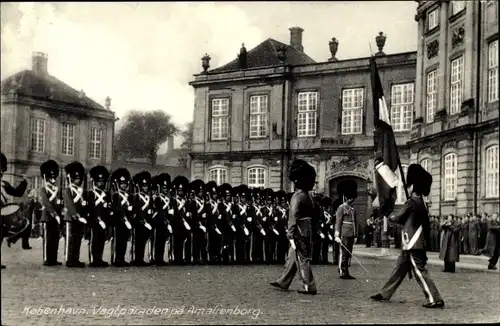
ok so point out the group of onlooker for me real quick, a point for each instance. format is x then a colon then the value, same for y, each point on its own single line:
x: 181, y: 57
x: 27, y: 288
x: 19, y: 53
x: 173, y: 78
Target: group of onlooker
x: 451, y: 236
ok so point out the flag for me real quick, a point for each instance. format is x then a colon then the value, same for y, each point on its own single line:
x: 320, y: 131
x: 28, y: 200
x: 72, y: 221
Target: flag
x: 385, y: 144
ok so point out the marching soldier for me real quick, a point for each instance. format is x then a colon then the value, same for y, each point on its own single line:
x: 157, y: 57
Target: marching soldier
x: 51, y: 212
x: 300, y: 230
x: 98, y: 212
x: 281, y: 226
x: 227, y: 226
x: 75, y: 204
x: 163, y: 212
x: 122, y: 216
x: 259, y: 232
x: 413, y: 258
x: 143, y: 211
x: 242, y: 226
x: 213, y: 222
x: 180, y: 225
x: 346, y: 228
x: 199, y: 210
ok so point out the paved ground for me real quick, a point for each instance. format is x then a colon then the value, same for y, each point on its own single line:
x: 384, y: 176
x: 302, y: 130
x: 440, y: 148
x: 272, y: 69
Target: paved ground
x: 33, y: 295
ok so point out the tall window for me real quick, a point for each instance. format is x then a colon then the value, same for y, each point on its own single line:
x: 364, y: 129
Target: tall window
x: 493, y: 71
x: 219, y: 175
x: 457, y: 6
x: 256, y: 177
x: 307, y: 114
x: 450, y: 176
x: 352, y: 111
x: 492, y: 172
x: 37, y: 135
x: 258, y: 116
x: 402, y: 106
x: 433, y: 19
x: 427, y: 165
x: 220, y: 118
x: 95, y: 143
x: 68, y: 139
x: 400, y: 190
x: 35, y: 182
x: 457, y: 75
x: 431, y: 98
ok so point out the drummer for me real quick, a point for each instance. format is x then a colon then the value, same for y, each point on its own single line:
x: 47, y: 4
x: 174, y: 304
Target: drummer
x: 7, y: 189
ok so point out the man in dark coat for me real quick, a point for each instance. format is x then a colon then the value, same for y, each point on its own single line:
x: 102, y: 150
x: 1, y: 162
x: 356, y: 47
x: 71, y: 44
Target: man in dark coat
x: 492, y: 246
x: 416, y: 237
x: 474, y: 233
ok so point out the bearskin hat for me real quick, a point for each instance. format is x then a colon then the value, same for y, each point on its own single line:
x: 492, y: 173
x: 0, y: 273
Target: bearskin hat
x: 49, y: 169
x: 243, y: 191
x: 180, y: 183
x: 211, y: 187
x: 268, y: 193
x: 325, y: 202
x: 420, y: 179
x: 142, y: 178
x: 161, y: 180
x: 256, y: 192
x: 120, y: 175
x: 3, y: 162
x: 301, y: 170
x: 225, y: 189
x: 99, y: 173
x: 75, y: 170
x: 349, y: 189
x: 196, y: 186
x: 281, y: 194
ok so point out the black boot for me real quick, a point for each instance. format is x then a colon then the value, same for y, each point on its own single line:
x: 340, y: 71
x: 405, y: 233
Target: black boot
x: 437, y: 304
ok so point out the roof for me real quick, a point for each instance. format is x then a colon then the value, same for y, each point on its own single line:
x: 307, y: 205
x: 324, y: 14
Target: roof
x: 47, y: 87
x: 266, y: 54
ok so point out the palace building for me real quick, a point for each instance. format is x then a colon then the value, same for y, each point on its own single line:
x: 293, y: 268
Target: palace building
x: 273, y: 104
x: 456, y: 127
x: 44, y: 118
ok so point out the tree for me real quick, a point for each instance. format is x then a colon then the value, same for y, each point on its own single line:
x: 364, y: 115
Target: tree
x: 143, y: 133
x: 187, y: 136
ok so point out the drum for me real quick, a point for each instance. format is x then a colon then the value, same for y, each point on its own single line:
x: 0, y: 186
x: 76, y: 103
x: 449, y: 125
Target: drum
x: 13, y: 222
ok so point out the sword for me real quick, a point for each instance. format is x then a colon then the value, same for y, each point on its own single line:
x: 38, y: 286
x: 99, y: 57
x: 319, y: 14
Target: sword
x: 360, y: 264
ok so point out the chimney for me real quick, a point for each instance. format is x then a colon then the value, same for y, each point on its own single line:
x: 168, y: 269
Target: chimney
x: 170, y: 143
x: 296, y: 38
x: 39, y: 62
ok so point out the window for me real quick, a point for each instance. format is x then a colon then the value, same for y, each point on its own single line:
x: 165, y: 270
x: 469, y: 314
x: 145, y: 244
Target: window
x: 35, y: 182
x: 400, y: 189
x: 431, y: 98
x: 352, y: 111
x: 307, y: 114
x: 427, y: 165
x: 256, y: 177
x: 37, y: 135
x: 402, y: 107
x: 457, y: 6
x: 450, y: 176
x: 95, y: 143
x: 220, y: 118
x: 457, y: 74
x: 433, y: 19
x: 258, y: 116
x: 493, y: 71
x: 219, y: 175
x: 68, y: 139
x: 492, y: 174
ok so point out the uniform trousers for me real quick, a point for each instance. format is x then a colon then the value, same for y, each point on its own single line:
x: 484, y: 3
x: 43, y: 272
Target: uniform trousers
x: 199, y: 245
x: 214, y: 245
x: 181, y: 240
x: 97, y: 241
x: 51, y: 236
x: 158, y: 241
x: 241, y: 246
x: 141, y: 237
x: 73, y: 238
x: 325, y: 245
x: 228, y: 237
x: 412, y: 261
x: 282, y: 247
x: 345, y: 254
x: 299, y: 259
x: 121, y: 235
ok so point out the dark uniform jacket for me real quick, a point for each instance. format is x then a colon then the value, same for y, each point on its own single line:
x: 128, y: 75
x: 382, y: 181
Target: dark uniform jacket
x: 143, y: 209
x: 227, y: 210
x: 163, y: 210
x: 11, y: 191
x: 180, y: 220
x: 51, y: 203
x: 414, y: 218
x: 98, y: 207
x: 122, y: 208
x: 75, y: 203
x: 199, y: 213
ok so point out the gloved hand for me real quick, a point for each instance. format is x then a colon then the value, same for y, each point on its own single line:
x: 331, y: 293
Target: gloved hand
x: 289, y: 235
x: 337, y: 237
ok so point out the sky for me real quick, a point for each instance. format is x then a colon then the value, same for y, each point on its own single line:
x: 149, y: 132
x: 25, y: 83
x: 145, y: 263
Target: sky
x: 143, y: 55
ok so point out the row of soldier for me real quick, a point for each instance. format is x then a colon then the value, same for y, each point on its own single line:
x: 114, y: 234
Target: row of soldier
x: 186, y: 222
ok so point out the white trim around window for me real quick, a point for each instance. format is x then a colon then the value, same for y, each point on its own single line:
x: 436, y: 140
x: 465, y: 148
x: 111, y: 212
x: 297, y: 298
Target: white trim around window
x: 259, y: 116
x: 95, y: 143
x: 353, y: 100
x: 67, y: 139
x: 307, y: 113
x: 257, y: 176
x: 220, y: 119
x: 400, y: 189
x: 433, y: 19
x: 37, y: 135
x: 492, y: 172
x: 450, y: 177
x: 493, y: 71
x: 431, y: 95
x: 219, y: 174
x: 456, y: 85
x: 402, y: 99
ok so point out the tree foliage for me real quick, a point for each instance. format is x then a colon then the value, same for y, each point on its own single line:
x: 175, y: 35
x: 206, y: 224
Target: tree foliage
x: 187, y: 136
x: 143, y: 133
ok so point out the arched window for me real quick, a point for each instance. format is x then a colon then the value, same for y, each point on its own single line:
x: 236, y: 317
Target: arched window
x: 427, y: 165
x: 492, y: 172
x: 256, y: 177
x: 218, y: 174
x: 450, y: 176
x: 400, y: 189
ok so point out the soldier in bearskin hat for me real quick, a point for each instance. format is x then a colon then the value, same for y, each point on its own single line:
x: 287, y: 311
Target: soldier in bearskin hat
x: 228, y: 229
x: 281, y: 225
x: 300, y: 229
x: 50, y: 196
x: 214, y: 233
x: 327, y: 227
x: 180, y: 225
x: 163, y: 212
x: 199, y: 210
x: 98, y: 213
x: 414, y: 217
x: 269, y: 221
x: 122, y: 216
x: 346, y: 227
x: 259, y: 231
x: 143, y: 210
x: 75, y: 205
x: 239, y: 221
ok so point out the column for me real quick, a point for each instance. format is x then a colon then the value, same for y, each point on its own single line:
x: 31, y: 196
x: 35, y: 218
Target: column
x: 443, y: 58
x: 469, y: 57
x: 419, y: 87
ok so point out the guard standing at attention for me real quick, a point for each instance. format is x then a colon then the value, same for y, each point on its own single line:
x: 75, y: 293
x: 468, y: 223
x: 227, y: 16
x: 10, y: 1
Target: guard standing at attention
x: 199, y: 211
x: 143, y: 210
x: 181, y: 227
x: 122, y: 216
x: 163, y: 212
x: 228, y: 229
x: 213, y: 223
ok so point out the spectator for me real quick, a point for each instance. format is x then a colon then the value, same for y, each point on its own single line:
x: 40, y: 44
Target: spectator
x: 450, y: 245
x: 492, y: 245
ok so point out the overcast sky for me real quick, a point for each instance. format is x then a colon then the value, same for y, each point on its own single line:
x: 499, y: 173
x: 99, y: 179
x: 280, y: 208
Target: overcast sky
x: 143, y: 55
